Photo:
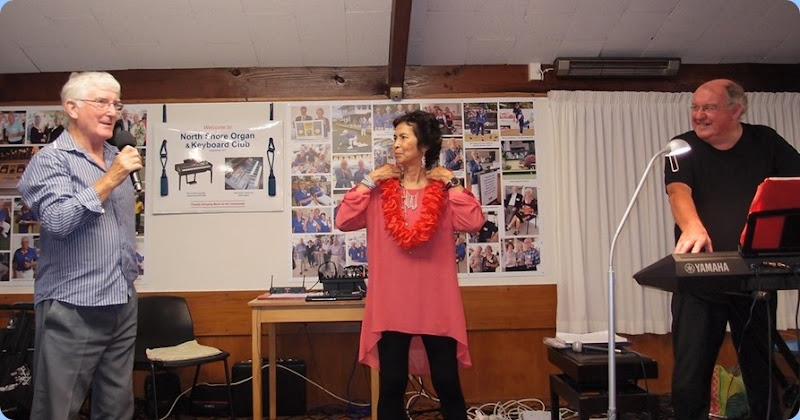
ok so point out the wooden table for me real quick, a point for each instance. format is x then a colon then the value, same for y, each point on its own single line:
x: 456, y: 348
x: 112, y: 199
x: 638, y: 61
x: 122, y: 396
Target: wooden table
x: 275, y: 311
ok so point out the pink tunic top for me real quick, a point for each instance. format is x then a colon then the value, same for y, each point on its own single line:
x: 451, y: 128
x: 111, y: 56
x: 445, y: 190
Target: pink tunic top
x: 414, y: 291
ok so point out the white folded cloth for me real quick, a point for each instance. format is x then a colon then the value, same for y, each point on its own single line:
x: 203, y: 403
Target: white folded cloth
x: 184, y: 351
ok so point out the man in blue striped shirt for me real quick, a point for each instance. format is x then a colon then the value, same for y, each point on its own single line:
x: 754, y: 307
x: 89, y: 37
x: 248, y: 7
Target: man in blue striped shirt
x: 85, y: 301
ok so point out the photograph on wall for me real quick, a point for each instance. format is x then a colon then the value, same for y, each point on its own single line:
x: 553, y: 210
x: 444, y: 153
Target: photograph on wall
x: 490, y: 231
x: 310, y: 158
x: 244, y: 173
x: 483, y: 175
x: 481, y: 123
x: 337, y: 199
x: 24, y: 220
x: 314, y: 220
x: 45, y: 126
x: 12, y: 127
x: 521, y: 210
x: 515, y: 119
x: 311, y: 191
x: 143, y: 172
x: 140, y: 257
x: 452, y: 156
x: 450, y: 116
x: 384, y: 115
x: 349, y: 170
x: 338, y: 252
x: 356, y: 248
x: 5, y: 266
x: 462, y: 264
x: 520, y: 254
x: 352, y: 128
x: 138, y: 214
x: 5, y: 223
x: 25, y: 257
x: 483, y: 257
x: 519, y: 158
x: 210, y: 167
x: 13, y: 160
x: 310, y: 121
x: 382, y: 151
x: 133, y: 119
x: 362, y: 140
x: 311, y: 251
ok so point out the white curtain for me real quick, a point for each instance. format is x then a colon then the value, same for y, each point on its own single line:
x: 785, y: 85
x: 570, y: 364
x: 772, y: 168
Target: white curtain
x: 601, y: 144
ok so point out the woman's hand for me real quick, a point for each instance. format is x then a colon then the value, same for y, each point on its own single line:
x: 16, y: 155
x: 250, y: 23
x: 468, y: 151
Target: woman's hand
x: 385, y: 172
x: 440, y: 174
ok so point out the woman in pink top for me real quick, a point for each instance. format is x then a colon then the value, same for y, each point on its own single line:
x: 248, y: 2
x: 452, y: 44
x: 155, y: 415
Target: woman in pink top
x: 411, y: 211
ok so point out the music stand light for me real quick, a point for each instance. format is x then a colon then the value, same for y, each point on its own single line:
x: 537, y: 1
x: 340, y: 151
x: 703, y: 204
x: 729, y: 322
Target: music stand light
x: 673, y: 148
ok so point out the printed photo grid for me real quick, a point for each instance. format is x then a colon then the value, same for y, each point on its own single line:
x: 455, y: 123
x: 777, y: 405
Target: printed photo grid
x: 490, y: 146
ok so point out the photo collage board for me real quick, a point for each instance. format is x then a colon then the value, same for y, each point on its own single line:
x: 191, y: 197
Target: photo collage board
x: 23, y: 132
x: 489, y: 145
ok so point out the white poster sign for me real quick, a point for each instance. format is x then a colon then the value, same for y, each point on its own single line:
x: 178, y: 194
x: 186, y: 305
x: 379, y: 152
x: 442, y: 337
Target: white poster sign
x: 209, y: 167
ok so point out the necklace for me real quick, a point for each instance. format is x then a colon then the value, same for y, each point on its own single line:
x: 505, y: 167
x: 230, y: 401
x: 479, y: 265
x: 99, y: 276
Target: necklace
x: 394, y: 212
x: 410, y: 200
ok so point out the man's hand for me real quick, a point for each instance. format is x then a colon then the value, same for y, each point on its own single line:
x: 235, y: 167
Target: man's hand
x: 128, y: 160
x: 694, y: 241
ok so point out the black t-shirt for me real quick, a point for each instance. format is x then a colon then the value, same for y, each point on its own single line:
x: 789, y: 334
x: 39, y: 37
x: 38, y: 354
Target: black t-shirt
x: 723, y: 182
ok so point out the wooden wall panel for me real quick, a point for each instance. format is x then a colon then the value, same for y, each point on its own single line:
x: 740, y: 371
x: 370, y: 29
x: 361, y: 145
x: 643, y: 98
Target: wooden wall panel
x: 506, y: 326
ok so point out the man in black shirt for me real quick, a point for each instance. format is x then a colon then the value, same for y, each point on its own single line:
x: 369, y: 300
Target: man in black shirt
x: 710, y: 190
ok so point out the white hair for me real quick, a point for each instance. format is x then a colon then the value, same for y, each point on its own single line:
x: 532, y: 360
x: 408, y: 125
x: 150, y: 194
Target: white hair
x: 79, y: 85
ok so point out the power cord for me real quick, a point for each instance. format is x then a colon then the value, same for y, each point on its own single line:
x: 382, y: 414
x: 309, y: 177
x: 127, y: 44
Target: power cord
x: 416, y: 394
x: 251, y: 377
x: 509, y: 410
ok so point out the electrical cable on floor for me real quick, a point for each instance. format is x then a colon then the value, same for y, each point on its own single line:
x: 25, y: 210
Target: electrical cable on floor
x: 416, y: 394
x: 509, y: 410
x: 251, y: 377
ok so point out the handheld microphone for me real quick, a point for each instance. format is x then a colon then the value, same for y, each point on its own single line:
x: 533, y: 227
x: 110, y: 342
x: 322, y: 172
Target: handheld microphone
x: 121, y: 139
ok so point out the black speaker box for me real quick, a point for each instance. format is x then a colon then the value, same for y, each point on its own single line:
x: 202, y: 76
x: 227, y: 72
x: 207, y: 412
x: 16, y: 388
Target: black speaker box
x: 209, y: 401
x: 291, y: 395
x: 168, y: 387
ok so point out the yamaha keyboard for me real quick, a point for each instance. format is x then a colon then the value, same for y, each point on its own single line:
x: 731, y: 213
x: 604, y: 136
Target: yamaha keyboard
x: 721, y: 272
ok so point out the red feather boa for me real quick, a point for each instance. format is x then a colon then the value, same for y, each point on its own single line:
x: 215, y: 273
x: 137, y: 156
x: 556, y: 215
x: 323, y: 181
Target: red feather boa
x: 424, y: 228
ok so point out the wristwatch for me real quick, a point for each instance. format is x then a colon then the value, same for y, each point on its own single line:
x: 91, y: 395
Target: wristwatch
x: 454, y: 182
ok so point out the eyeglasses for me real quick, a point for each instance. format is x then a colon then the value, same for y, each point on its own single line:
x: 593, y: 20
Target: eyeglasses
x: 104, y: 104
x: 706, y: 108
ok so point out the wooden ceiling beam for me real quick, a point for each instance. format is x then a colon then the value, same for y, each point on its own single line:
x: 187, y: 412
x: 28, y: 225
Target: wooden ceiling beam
x: 344, y: 83
x: 398, y: 47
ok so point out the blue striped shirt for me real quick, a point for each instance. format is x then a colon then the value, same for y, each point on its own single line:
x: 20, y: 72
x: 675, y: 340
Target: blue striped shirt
x: 88, y: 248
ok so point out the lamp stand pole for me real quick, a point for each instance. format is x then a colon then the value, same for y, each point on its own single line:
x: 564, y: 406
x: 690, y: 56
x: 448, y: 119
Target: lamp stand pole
x: 612, y: 344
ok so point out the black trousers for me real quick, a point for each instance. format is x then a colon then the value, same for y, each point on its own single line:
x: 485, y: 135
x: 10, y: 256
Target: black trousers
x: 698, y: 328
x: 393, y: 357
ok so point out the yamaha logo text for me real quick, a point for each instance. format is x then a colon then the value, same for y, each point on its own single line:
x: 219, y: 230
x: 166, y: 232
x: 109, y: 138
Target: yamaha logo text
x: 711, y: 267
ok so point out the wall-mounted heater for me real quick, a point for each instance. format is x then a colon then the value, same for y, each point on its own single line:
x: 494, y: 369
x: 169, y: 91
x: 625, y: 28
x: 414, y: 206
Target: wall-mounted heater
x: 616, y: 67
